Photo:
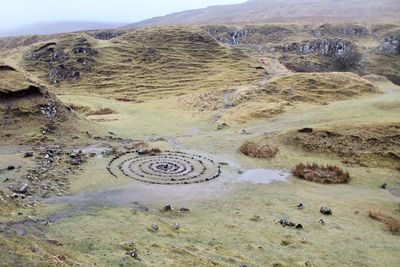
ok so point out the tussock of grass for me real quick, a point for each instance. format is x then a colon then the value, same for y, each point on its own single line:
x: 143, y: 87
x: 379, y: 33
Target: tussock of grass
x: 393, y: 224
x: 321, y: 174
x: 256, y: 150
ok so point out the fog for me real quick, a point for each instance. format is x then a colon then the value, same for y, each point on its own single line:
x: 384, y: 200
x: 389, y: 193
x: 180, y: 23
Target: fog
x: 15, y: 14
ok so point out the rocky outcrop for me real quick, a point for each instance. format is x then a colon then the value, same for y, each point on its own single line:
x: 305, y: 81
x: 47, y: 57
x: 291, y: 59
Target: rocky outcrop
x: 106, y: 35
x: 390, y: 45
x: 248, y: 35
x: 63, y: 73
x: 351, y: 30
x: 327, y: 47
x: 331, y: 54
x: 61, y: 61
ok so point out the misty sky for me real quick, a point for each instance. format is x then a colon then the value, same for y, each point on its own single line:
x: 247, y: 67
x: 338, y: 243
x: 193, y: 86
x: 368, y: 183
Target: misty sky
x: 18, y: 13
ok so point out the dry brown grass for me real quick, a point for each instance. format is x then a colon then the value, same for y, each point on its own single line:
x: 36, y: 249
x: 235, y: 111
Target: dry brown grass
x: 393, y: 224
x: 102, y: 111
x: 257, y: 150
x: 321, y: 174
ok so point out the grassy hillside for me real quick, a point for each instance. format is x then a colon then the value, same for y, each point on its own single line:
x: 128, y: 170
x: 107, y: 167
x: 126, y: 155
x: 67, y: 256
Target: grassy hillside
x: 140, y: 64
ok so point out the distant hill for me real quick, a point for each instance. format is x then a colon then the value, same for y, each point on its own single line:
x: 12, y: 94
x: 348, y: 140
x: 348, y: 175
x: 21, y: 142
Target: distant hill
x: 59, y: 27
x: 284, y: 11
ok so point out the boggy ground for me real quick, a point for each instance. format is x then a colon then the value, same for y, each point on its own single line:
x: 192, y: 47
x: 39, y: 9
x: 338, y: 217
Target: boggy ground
x: 230, y: 222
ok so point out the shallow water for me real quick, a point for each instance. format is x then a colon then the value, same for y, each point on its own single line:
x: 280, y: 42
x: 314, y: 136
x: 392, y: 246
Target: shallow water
x: 264, y: 176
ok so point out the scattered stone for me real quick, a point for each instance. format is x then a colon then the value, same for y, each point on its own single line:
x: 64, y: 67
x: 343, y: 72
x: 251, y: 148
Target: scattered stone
x: 10, y: 168
x: 326, y: 210
x: 184, y: 210
x: 384, y: 186
x: 20, y: 188
x: 176, y: 226
x: 28, y: 154
x: 321, y: 221
x: 168, y: 208
x: 300, y: 206
x: 132, y: 253
x: 153, y: 228
x: 222, y: 126
x: 285, y: 223
x: 255, y: 218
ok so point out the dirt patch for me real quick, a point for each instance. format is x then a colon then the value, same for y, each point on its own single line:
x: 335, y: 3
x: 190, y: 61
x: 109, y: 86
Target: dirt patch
x: 369, y: 145
x: 321, y: 174
x: 392, y: 223
x: 258, y: 150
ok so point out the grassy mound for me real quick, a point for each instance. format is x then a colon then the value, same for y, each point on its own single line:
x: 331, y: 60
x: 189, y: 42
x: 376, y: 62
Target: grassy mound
x: 374, y: 145
x: 30, y: 113
x: 321, y: 174
x: 257, y: 150
x: 310, y: 87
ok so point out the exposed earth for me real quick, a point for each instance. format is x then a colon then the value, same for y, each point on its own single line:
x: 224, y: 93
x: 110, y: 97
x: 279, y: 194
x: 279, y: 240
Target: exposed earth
x: 121, y: 148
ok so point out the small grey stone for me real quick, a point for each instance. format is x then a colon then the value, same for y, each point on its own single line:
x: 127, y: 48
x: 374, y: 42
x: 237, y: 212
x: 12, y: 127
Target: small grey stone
x: 326, y: 210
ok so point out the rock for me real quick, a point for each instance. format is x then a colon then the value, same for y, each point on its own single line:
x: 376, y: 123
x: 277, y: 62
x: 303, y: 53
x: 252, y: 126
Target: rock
x: 321, y: 221
x: 153, y: 228
x: 132, y: 253
x: 28, y: 154
x: 384, y: 185
x: 20, y: 188
x: 168, y: 208
x: 285, y: 222
x: 255, y: 218
x: 10, y: 168
x: 300, y: 206
x: 299, y: 226
x: 176, y: 226
x: 326, y: 210
x: 184, y: 210
x: 141, y: 151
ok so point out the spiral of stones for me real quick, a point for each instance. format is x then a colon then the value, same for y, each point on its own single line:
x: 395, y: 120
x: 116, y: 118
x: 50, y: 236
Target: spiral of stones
x: 168, y: 168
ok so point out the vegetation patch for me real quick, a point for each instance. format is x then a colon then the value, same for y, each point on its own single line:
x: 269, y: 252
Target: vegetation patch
x: 257, y: 150
x: 321, y: 174
x: 393, y: 224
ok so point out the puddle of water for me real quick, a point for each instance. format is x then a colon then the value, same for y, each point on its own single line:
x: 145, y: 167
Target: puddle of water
x: 264, y: 176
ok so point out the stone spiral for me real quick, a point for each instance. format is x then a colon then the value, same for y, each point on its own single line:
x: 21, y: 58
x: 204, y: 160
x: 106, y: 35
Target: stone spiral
x: 168, y: 167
